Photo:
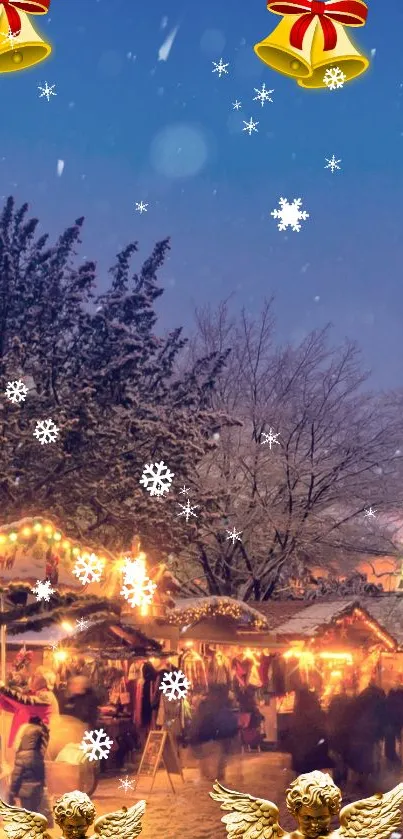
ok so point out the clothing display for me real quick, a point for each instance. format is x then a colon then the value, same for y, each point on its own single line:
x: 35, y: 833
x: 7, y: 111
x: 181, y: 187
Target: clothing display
x: 193, y: 666
x: 219, y: 669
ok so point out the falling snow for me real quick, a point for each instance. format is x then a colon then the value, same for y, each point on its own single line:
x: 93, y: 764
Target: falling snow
x: 156, y: 478
x: 127, y: 784
x: 369, y: 513
x: 332, y: 163
x: 290, y: 215
x: 220, y: 68
x: 250, y: 126
x: 46, y: 431
x: 270, y: 438
x: 47, y: 91
x: 334, y: 78
x: 141, y: 207
x: 43, y: 590
x: 236, y: 105
x: 263, y: 95
x: 187, y: 510
x: 234, y: 535
x: 16, y: 391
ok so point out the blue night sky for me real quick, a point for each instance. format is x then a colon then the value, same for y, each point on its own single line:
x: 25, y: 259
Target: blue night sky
x: 132, y: 128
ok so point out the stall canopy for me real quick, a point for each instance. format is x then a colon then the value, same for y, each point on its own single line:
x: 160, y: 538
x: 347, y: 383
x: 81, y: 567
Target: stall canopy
x: 318, y: 621
x: 111, y: 639
x: 191, y: 610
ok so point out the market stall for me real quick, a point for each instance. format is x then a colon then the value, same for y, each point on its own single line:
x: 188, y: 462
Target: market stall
x: 224, y: 641
x: 331, y: 647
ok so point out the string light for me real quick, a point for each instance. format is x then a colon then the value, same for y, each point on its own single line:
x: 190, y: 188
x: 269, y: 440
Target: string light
x: 19, y: 532
x: 214, y: 607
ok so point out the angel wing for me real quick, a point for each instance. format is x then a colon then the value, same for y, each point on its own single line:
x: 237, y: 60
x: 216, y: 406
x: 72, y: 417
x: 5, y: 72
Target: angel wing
x: 123, y: 824
x: 22, y: 824
x: 249, y: 817
x: 372, y: 818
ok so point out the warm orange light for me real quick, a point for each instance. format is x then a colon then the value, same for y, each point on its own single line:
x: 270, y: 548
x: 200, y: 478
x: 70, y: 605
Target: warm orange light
x: 25, y: 532
x: 336, y: 674
x: 67, y: 626
x: 57, y: 536
x: 2, y: 538
x: 75, y: 551
x: 331, y: 656
x: 48, y: 529
x: 60, y: 655
x: 66, y: 544
x: 37, y: 527
x: 13, y: 537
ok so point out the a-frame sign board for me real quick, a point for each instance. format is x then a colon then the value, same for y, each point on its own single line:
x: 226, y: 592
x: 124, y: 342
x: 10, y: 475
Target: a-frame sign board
x: 158, y: 749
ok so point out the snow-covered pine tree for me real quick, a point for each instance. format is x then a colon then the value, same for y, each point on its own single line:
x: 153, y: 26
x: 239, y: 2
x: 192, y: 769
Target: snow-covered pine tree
x: 107, y: 381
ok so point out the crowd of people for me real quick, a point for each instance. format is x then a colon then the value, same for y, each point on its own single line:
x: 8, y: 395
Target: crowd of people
x: 349, y: 736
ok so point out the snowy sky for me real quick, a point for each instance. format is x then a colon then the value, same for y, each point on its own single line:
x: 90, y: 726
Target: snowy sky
x: 131, y: 128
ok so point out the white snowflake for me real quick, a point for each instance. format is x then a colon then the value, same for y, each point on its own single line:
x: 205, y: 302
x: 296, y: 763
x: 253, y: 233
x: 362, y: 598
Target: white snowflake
x: 139, y: 592
x: 270, y: 438
x: 220, y: 68
x: 236, y: 105
x: 290, y: 214
x: 82, y: 624
x: 88, y: 569
x: 174, y: 685
x: 187, y: 510
x: 47, y: 91
x: 263, y: 95
x: 46, y: 431
x: 234, y: 535
x: 370, y: 513
x: 332, y: 163
x: 156, y: 478
x: 16, y: 391
x: 334, y: 78
x: 184, y: 490
x: 127, y: 784
x: 43, y: 590
x: 250, y: 126
x: 9, y: 37
x: 141, y: 207
x: 96, y: 744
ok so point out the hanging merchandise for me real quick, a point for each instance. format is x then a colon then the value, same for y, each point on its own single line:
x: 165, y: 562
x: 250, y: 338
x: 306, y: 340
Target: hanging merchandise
x: 219, y: 669
x: 310, y: 44
x: 192, y: 665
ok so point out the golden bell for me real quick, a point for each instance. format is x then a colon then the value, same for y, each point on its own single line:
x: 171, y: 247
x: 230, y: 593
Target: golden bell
x: 23, y: 50
x: 344, y: 56
x: 277, y: 52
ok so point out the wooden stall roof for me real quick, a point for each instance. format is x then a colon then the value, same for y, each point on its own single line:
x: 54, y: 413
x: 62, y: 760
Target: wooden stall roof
x: 112, y: 639
x: 192, y: 610
x: 306, y: 620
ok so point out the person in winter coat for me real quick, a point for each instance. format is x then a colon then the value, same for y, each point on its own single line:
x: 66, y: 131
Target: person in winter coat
x: 81, y: 701
x: 393, y: 724
x: 368, y: 723
x: 28, y: 776
x: 215, y: 721
x: 338, y: 733
x: 250, y: 718
x: 308, y: 744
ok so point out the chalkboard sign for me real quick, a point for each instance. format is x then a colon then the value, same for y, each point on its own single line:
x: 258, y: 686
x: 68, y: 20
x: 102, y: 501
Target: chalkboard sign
x: 158, y: 749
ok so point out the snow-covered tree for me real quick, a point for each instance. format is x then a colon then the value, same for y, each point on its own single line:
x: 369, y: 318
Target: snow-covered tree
x: 96, y: 367
x: 300, y: 500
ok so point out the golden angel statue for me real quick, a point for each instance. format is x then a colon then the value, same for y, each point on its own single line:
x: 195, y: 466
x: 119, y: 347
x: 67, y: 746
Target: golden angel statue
x: 313, y: 799
x: 73, y: 812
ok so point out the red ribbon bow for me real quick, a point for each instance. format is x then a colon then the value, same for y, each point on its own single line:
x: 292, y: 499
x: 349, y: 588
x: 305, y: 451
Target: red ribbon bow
x: 346, y: 12
x: 32, y: 7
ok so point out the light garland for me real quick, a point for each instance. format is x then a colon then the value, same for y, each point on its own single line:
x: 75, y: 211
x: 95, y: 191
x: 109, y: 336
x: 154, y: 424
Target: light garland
x: 22, y: 531
x: 211, y: 607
